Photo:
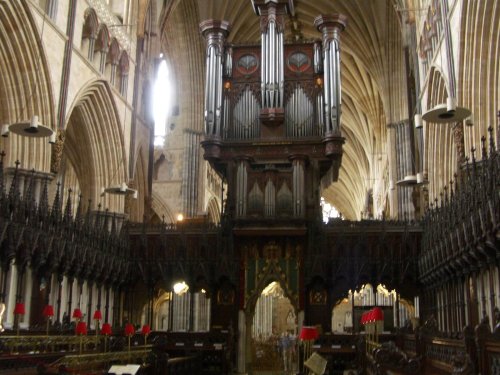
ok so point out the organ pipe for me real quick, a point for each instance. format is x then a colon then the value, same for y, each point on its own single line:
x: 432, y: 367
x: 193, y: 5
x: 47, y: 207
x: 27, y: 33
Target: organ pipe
x: 215, y: 33
x: 331, y: 27
x: 228, y: 63
x: 318, y: 60
x: 272, y: 52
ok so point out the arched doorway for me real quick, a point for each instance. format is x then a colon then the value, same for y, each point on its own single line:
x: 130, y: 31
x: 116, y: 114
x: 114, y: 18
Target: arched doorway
x: 274, y: 332
x: 346, y: 314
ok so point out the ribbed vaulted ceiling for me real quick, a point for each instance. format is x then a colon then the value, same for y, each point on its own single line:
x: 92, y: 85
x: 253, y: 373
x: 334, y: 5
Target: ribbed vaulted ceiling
x: 372, y: 75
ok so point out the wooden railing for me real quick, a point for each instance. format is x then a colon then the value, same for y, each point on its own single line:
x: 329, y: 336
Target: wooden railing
x: 475, y: 351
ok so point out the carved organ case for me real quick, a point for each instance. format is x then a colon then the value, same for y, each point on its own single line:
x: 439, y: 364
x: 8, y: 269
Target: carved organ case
x: 272, y: 115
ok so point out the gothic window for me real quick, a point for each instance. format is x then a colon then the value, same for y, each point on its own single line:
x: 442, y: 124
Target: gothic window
x: 101, y: 47
x: 123, y: 69
x: 89, y: 33
x: 201, y: 311
x: 50, y: 7
x: 163, y: 96
x: 112, y: 61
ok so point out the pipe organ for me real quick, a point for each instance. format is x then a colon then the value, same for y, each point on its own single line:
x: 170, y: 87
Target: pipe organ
x: 215, y: 33
x: 272, y: 114
x: 272, y: 22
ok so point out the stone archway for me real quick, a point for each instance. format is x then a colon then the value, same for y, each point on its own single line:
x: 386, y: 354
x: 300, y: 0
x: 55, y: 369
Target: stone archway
x: 273, y: 331
x: 267, y: 262
x: 25, y: 85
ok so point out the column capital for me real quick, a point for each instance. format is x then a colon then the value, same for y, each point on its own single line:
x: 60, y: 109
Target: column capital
x: 326, y: 22
x: 211, y: 26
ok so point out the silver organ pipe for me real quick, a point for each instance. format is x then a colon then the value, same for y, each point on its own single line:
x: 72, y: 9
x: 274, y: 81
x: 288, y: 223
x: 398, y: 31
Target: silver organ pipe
x: 246, y: 116
x: 318, y: 61
x: 228, y: 62
x: 320, y: 113
x: 227, y: 116
x: 299, y: 115
x: 298, y: 188
x: 331, y: 26
x: 241, y: 189
x: 272, y: 65
x: 215, y: 33
x: 218, y: 105
x: 269, y: 199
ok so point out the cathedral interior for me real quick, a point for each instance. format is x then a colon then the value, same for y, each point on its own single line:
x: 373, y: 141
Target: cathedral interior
x: 250, y: 187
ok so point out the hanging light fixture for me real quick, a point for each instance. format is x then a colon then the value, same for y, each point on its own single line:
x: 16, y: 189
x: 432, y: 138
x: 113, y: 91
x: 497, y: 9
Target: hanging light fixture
x: 446, y: 113
x: 32, y: 128
x: 122, y: 189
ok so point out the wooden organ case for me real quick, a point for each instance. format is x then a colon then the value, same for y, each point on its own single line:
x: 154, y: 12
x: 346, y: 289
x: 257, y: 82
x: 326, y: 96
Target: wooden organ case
x: 273, y: 133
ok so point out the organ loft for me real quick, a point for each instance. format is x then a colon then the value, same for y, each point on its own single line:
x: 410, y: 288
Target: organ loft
x: 249, y: 187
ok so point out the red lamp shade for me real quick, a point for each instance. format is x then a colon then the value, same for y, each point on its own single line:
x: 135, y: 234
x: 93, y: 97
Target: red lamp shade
x: 370, y: 317
x: 146, y: 329
x: 129, y: 329
x: 77, y: 313
x: 81, y: 328
x: 106, y: 329
x: 19, y: 309
x: 48, y: 311
x: 97, y: 315
x: 308, y: 333
x: 378, y: 314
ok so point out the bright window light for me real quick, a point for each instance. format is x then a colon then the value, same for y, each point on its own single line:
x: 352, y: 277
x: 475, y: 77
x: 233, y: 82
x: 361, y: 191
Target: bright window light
x: 162, y: 102
x: 181, y: 288
x: 329, y: 211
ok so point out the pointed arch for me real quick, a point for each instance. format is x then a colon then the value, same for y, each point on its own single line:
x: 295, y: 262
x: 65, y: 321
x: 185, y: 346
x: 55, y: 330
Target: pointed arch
x: 161, y: 208
x: 114, y: 52
x: 478, y: 78
x: 136, y: 208
x: 102, y: 40
x: 213, y: 210
x: 272, y: 274
x: 25, y: 83
x: 91, y: 24
x: 94, y: 143
x: 439, y: 148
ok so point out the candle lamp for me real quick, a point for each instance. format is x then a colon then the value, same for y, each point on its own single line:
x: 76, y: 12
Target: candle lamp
x: 81, y: 329
x: 129, y: 331
x: 106, y: 331
x: 19, y: 309
x: 48, y: 313
x: 307, y: 336
x: 97, y: 319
